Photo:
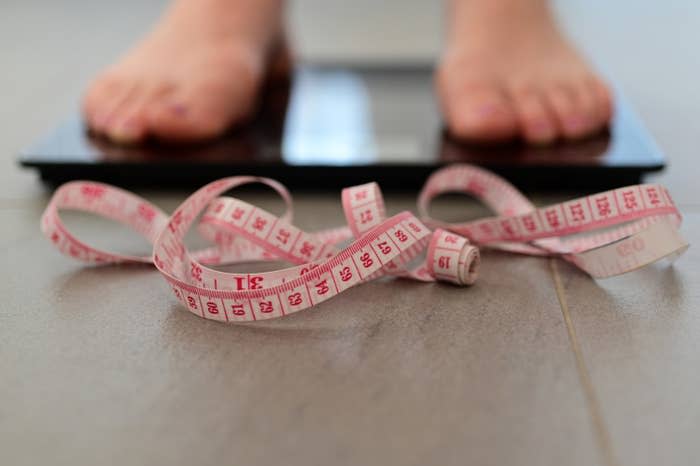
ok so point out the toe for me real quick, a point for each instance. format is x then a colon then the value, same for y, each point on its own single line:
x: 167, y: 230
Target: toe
x: 98, y: 100
x: 570, y: 112
x: 131, y: 123
x: 114, y: 102
x: 537, y: 124
x: 480, y: 113
x: 603, y: 100
x: 586, y: 101
x: 197, y: 113
x: 128, y: 124
x: 129, y: 128
x: 122, y: 123
x: 177, y: 119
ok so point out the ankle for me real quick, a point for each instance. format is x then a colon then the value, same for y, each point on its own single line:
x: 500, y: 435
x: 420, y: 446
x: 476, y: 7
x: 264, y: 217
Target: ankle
x: 255, y: 23
x: 487, y: 19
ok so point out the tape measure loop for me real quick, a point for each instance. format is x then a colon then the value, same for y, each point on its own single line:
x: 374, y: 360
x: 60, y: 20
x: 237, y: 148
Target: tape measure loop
x: 623, y: 229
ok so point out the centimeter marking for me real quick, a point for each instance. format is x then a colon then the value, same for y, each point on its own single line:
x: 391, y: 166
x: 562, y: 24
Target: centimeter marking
x: 651, y: 235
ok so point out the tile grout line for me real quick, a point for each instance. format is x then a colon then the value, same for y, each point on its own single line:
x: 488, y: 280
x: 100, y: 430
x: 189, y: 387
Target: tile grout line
x: 601, y: 431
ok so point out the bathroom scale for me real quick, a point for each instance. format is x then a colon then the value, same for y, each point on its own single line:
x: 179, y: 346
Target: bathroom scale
x: 330, y: 127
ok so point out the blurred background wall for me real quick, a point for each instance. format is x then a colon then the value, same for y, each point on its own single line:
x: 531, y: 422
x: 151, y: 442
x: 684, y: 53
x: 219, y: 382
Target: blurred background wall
x: 385, y: 31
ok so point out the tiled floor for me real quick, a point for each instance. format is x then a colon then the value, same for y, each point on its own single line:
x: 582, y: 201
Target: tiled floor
x: 535, y: 365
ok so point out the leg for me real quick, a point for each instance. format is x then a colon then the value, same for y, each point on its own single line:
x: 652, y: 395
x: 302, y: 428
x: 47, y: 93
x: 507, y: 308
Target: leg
x: 507, y: 71
x: 194, y: 75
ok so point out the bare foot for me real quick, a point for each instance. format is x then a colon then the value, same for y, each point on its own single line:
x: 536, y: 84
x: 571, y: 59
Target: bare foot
x: 507, y: 71
x: 194, y: 75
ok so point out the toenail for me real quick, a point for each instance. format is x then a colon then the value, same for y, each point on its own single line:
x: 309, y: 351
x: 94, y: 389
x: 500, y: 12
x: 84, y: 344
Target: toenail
x: 542, y: 130
x: 487, y: 110
x: 179, y: 109
x: 574, y: 123
x: 100, y: 121
x: 124, y: 131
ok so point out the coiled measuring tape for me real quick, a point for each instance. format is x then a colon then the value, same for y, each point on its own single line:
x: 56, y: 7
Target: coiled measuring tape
x: 624, y: 229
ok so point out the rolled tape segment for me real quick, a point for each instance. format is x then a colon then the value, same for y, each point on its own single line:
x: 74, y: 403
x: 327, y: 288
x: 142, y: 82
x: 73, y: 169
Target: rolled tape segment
x: 604, y: 234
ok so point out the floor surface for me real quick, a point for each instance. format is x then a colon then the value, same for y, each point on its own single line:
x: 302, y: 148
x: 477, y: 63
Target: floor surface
x: 537, y: 364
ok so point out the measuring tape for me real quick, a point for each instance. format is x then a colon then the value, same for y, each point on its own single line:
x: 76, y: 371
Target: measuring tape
x: 624, y: 229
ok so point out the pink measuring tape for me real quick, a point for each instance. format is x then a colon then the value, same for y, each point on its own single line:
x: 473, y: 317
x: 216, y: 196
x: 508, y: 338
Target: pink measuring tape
x: 627, y: 228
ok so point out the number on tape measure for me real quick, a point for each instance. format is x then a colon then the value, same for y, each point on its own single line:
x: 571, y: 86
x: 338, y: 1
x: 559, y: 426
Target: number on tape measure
x: 604, y: 234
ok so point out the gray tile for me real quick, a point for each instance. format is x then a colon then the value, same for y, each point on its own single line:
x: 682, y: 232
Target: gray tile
x: 101, y: 363
x: 639, y: 338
